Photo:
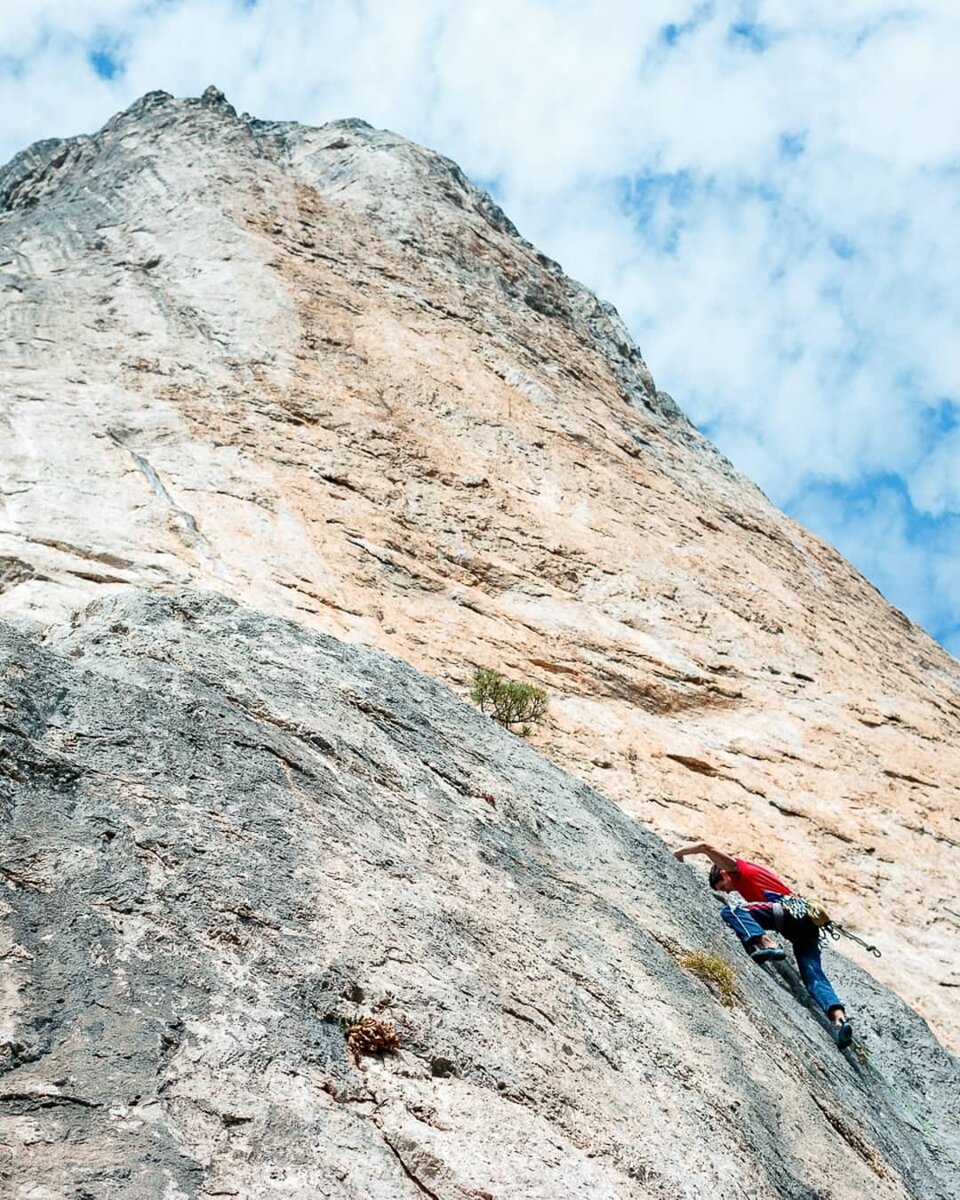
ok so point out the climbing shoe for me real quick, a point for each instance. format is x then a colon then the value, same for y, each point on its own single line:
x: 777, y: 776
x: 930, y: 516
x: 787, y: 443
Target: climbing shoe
x: 764, y: 954
x: 844, y: 1035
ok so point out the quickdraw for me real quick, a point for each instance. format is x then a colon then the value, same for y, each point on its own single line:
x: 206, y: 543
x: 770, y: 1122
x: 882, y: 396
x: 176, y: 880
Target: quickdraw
x: 838, y: 931
x: 798, y: 908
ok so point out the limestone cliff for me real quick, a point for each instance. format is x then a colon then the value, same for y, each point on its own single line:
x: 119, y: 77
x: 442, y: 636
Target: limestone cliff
x: 317, y: 371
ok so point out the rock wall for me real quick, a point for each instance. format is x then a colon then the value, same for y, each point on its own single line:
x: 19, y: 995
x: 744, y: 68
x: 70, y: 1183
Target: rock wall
x: 318, y: 371
x: 226, y: 834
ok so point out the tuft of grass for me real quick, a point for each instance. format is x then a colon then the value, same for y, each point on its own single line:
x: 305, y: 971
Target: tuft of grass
x: 716, y: 971
x: 510, y: 702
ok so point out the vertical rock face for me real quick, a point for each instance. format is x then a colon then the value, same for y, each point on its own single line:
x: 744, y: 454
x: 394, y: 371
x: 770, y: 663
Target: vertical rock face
x: 226, y: 835
x: 318, y: 372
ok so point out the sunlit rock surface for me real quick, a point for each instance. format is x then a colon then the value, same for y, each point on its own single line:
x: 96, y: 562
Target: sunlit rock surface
x: 317, y: 371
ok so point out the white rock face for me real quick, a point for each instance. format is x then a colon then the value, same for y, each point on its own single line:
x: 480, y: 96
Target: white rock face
x: 318, y: 371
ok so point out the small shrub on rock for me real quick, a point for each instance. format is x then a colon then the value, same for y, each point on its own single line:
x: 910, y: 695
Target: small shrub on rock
x: 514, y: 705
x: 716, y: 971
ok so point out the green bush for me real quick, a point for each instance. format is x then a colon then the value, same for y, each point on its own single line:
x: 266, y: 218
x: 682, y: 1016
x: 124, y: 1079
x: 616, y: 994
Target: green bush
x: 508, y: 701
x: 716, y: 971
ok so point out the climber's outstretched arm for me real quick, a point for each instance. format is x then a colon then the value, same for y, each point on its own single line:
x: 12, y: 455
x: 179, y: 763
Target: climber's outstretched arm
x: 717, y: 857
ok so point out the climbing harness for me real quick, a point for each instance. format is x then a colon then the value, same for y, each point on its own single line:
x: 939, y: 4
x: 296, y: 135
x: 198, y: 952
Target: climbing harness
x: 798, y: 908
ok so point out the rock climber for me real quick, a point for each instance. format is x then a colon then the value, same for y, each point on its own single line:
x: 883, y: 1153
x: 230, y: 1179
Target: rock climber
x: 760, y: 888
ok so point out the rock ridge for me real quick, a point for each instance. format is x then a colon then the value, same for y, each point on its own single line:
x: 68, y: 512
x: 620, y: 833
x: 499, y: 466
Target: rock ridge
x: 41, y: 169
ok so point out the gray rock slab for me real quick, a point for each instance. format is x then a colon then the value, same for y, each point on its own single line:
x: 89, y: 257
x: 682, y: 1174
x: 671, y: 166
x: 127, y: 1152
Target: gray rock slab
x: 224, y: 835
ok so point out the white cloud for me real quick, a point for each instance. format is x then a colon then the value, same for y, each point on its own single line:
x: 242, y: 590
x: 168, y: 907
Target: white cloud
x: 935, y: 485
x: 770, y: 193
x: 917, y: 569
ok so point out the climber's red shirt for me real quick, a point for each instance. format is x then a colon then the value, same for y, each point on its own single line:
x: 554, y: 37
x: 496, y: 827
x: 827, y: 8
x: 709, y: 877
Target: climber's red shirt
x: 753, y: 881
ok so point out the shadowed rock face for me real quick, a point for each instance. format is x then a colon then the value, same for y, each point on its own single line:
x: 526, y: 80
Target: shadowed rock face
x: 318, y: 371
x: 225, y: 833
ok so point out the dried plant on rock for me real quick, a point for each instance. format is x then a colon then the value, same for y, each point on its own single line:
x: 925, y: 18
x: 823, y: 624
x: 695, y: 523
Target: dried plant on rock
x: 371, y: 1036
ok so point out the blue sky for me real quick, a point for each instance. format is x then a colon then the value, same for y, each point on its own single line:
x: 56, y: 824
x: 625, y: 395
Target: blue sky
x: 768, y: 191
